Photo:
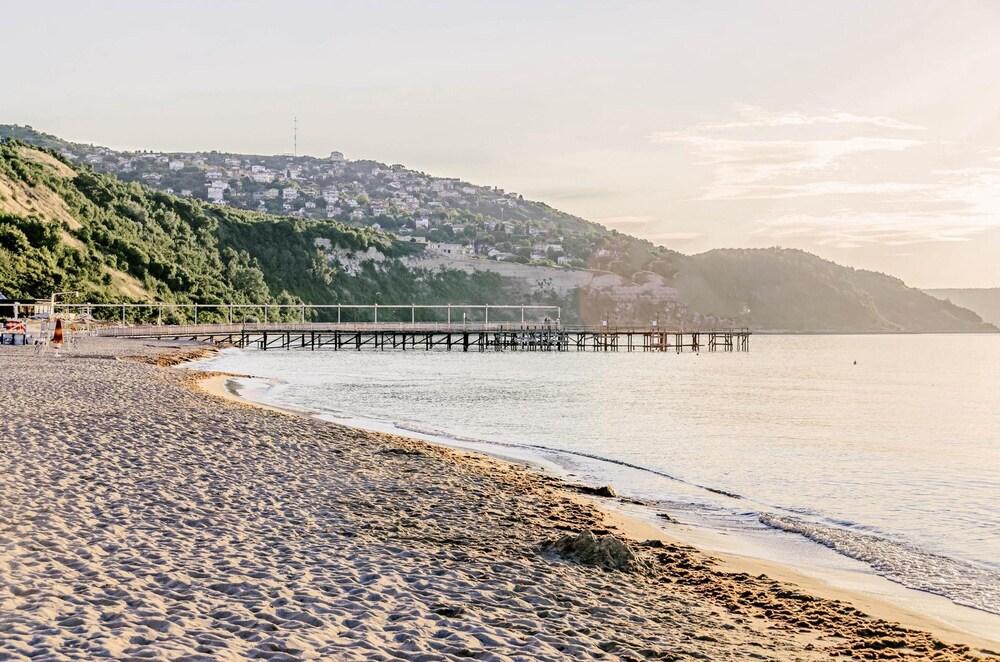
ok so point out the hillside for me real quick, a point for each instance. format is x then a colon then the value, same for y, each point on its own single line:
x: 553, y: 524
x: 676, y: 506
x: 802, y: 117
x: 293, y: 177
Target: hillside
x: 795, y: 290
x: 984, y: 301
x: 451, y: 254
x: 483, y: 220
x: 65, y: 227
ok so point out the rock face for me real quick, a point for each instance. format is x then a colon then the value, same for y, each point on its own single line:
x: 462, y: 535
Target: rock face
x: 606, y: 551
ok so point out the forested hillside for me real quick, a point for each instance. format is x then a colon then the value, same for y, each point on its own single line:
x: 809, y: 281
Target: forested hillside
x: 795, y: 290
x: 985, y: 301
x: 66, y: 228
x: 768, y: 289
x: 483, y: 220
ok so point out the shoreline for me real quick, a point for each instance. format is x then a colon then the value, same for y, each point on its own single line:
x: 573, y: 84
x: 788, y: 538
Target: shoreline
x: 141, y: 517
x: 636, y: 528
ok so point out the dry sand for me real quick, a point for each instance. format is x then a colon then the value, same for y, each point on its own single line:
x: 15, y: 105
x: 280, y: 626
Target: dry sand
x: 140, y: 518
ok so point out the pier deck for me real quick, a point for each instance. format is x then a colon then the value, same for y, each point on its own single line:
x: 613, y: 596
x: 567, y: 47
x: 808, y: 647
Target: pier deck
x: 427, y: 337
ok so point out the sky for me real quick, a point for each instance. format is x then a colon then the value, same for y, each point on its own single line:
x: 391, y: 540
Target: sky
x: 865, y: 132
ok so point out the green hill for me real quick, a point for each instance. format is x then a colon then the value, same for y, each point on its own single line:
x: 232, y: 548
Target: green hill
x: 985, y: 301
x: 765, y: 289
x: 786, y: 289
x: 64, y: 225
x: 68, y: 228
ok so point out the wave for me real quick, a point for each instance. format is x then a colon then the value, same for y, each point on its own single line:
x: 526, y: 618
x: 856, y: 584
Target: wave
x: 563, y: 451
x: 962, y: 582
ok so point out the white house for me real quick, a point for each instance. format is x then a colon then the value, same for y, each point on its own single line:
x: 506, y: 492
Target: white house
x: 176, y: 164
x: 217, y: 191
x: 289, y: 193
x: 451, y: 249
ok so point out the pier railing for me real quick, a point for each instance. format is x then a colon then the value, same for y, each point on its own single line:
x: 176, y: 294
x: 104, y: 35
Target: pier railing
x: 249, y: 313
x: 138, y: 330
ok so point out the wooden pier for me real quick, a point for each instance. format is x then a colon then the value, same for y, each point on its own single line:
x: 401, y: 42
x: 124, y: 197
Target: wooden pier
x: 429, y: 337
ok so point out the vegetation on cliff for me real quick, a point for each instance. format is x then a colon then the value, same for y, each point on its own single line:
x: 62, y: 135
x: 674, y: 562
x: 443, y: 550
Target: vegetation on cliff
x: 73, y: 229
x: 64, y: 226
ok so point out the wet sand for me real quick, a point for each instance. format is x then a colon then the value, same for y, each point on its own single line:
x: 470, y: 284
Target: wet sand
x: 141, y: 517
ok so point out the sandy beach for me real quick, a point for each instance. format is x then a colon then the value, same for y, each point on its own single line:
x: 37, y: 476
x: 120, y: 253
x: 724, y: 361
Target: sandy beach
x: 144, y: 517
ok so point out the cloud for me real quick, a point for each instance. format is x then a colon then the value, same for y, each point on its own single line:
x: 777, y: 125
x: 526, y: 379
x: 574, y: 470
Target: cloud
x: 811, y: 189
x: 740, y: 161
x: 842, y: 179
x: 767, y: 161
x: 849, y: 228
x: 752, y: 117
x: 959, y: 206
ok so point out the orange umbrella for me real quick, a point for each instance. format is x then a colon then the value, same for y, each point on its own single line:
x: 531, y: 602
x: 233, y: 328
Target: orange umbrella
x: 57, y: 336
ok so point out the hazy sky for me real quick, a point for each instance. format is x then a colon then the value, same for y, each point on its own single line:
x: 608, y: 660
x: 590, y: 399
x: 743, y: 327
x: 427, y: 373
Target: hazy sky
x: 866, y: 132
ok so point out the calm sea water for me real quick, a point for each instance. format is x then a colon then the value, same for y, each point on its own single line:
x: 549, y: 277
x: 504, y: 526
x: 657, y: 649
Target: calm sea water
x: 883, y: 448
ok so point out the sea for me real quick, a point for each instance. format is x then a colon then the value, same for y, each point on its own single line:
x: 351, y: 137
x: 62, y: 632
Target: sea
x: 881, y: 450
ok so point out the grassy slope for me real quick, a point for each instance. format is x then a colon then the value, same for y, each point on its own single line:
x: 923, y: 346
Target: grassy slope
x: 114, y: 241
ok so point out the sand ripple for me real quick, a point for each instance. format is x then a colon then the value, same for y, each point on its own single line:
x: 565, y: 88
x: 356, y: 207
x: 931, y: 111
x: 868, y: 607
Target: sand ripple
x: 140, y: 519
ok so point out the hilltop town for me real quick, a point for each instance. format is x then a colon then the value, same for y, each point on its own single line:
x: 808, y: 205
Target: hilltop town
x: 449, y: 216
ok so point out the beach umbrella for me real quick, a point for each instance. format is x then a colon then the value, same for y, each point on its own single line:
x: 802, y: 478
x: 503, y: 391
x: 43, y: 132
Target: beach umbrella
x: 57, y: 335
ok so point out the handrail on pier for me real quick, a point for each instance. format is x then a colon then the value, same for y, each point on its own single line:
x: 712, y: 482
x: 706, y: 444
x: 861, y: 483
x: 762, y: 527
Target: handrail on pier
x: 230, y: 311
